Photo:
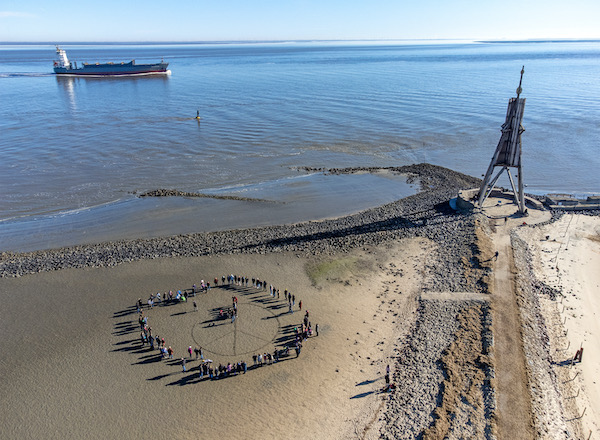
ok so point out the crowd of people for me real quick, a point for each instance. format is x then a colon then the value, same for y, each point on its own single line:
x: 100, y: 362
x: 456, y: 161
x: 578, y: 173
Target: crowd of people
x: 206, y: 368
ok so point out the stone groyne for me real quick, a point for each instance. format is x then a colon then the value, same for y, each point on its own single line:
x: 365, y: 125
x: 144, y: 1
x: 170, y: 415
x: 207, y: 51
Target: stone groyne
x: 424, y: 214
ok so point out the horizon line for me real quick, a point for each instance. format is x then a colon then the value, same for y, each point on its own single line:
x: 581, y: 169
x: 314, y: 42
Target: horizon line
x: 166, y: 42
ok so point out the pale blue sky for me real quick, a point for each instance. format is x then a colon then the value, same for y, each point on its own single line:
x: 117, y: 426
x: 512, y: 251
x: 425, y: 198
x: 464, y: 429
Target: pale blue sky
x: 219, y: 20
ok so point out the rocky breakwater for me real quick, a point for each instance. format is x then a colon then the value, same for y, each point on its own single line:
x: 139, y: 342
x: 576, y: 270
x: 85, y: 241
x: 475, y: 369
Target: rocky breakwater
x: 178, y: 193
x: 426, y: 214
x: 444, y: 375
x: 445, y: 372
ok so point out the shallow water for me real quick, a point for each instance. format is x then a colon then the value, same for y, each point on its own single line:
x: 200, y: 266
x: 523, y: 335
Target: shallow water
x: 79, y: 146
x: 297, y: 199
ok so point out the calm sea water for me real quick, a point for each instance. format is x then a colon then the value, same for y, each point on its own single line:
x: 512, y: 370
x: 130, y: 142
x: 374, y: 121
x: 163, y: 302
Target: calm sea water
x: 72, y: 150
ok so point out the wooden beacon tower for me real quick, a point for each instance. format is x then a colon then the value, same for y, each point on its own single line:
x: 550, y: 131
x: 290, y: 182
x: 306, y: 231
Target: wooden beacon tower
x: 508, y: 152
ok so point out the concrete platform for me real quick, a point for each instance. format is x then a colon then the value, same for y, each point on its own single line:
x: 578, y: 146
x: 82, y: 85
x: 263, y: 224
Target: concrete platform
x: 500, y: 206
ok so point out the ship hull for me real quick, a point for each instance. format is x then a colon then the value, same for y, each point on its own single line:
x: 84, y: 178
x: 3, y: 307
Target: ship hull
x: 111, y: 69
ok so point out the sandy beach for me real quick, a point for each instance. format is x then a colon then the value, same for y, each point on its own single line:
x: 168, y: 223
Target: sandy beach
x: 76, y: 365
x: 459, y: 305
x: 565, y: 260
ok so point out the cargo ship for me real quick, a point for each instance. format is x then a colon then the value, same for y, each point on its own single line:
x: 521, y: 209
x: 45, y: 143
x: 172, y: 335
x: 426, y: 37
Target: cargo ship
x: 64, y: 67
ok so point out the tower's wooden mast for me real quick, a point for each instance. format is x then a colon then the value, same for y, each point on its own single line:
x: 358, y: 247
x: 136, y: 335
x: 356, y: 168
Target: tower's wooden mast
x: 508, y: 151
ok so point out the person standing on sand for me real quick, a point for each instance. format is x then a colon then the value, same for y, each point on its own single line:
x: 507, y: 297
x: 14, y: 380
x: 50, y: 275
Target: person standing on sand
x: 190, y: 351
x: 387, y: 377
x: 316, y: 329
x: 183, y: 364
x: 195, y: 307
x: 170, y: 352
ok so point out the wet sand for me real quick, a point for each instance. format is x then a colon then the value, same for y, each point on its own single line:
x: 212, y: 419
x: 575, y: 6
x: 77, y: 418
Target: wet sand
x: 74, y: 364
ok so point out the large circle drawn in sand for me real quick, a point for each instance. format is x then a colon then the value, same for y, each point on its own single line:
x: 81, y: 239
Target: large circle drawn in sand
x: 255, y: 328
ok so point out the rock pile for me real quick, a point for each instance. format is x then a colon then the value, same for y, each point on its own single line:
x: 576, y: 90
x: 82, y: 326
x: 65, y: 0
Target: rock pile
x: 428, y: 383
x: 424, y: 214
x: 178, y: 193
